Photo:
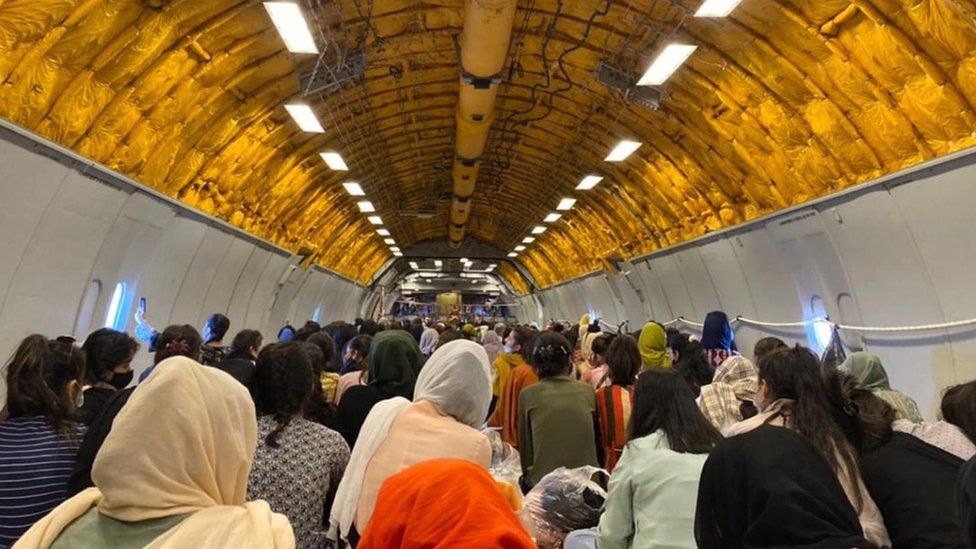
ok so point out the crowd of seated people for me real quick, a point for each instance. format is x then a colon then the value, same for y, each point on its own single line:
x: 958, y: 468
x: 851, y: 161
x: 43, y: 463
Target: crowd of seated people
x: 380, y: 434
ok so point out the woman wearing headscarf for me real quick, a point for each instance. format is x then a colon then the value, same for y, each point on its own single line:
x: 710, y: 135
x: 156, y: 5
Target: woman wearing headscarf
x: 444, y: 503
x: 871, y: 375
x: 492, y: 343
x: 772, y: 488
x: 428, y: 341
x: 653, y: 344
x: 450, y: 404
x: 183, y: 486
x: 717, y: 338
x: 731, y: 395
x: 394, y: 363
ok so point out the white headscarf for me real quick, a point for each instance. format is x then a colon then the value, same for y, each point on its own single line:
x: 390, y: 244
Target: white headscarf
x: 457, y: 379
x: 428, y: 341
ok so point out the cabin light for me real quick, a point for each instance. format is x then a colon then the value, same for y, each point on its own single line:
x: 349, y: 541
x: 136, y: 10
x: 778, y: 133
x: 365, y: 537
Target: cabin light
x: 528, y: 240
x: 334, y: 161
x: 512, y: 254
x: 589, y: 182
x: 303, y: 116
x: 414, y: 266
x: 394, y: 249
x: 464, y: 260
x: 366, y: 206
x: 666, y: 63
x: 389, y: 241
x: 552, y: 217
x: 398, y: 254
x: 491, y: 267
x: 383, y: 232
x: 375, y: 220
x: 287, y: 18
x: 566, y: 204
x: 353, y: 188
x: 539, y: 229
x: 438, y: 263
x: 520, y: 248
x: 623, y: 149
x: 717, y: 8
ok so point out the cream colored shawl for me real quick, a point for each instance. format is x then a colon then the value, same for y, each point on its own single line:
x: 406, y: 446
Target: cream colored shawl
x: 183, y: 445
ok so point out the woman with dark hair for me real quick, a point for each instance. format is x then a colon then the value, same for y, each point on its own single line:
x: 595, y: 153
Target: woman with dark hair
x: 614, y: 401
x: 318, y: 406
x: 394, y: 362
x: 108, y: 358
x: 310, y: 456
x: 239, y: 362
x: 791, y: 394
x: 557, y: 416
x: 654, y: 488
x: 717, y: 338
x: 307, y: 330
x: 328, y: 374
x: 522, y: 375
x: 341, y: 333
x: 370, y: 327
x: 599, y: 373
x: 214, y: 331
x: 765, y: 346
x: 907, y: 468
x: 40, y: 436
x: 175, y: 340
x: 693, y: 366
x: 355, y: 364
x: 772, y: 488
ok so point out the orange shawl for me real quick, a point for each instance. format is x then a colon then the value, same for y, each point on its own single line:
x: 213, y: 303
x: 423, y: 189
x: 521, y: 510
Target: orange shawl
x: 506, y: 411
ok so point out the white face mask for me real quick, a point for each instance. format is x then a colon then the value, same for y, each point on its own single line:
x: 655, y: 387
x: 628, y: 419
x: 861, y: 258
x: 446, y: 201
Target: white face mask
x: 507, y: 349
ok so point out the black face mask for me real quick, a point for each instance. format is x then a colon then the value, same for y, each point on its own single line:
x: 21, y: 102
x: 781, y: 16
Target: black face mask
x: 121, y: 381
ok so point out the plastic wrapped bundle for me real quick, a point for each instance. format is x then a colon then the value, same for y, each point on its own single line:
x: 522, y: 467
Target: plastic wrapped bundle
x: 505, y: 463
x: 563, y: 501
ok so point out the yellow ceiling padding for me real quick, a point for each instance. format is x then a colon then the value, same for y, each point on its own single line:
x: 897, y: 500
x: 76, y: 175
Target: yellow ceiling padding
x: 783, y: 102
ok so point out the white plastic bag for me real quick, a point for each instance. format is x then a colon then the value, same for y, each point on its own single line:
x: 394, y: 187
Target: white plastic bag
x: 563, y: 501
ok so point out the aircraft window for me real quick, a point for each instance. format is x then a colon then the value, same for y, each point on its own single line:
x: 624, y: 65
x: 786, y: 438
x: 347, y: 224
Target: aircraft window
x: 113, y: 316
x: 317, y: 315
x: 820, y: 332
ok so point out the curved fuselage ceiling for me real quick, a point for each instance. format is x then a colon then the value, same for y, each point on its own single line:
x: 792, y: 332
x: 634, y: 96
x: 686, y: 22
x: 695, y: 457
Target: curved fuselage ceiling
x: 783, y: 101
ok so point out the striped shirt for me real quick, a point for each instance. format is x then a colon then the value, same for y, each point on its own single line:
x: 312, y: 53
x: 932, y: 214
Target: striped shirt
x: 613, y: 407
x: 35, y: 464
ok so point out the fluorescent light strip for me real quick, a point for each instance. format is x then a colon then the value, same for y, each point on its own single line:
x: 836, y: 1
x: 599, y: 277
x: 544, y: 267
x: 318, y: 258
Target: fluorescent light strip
x: 334, y: 161
x: 353, y: 188
x: 589, y: 182
x: 666, y: 63
x: 491, y: 267
x: 438, y: 263
x: 717, y: 8
x: 539, y: 229
x: 519, y: 248
x: 414, y: 266
x: 528, y: 240
x: 389, y: 241
x: 394, y: 249
x: 398, y: 254
x: 375, y: 220
x: 366, y: 206
x: 512, y: 254
x: 287, y: 18
x: 303, y: 116
x: 383, y: 232
x: 552, y: 217
x: 623, y: 149
x: 566, y: 204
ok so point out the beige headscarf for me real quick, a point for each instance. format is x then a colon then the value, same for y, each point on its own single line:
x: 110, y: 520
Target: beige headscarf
x: 183, y: 444
x: 735, y: 381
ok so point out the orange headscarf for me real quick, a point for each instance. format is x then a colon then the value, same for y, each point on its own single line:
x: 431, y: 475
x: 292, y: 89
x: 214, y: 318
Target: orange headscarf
x: 443, y: 503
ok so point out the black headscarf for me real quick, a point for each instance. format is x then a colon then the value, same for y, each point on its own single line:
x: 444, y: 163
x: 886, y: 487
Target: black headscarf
x: 966, y: 502
x: 772, y: 488
x: 394, y: 363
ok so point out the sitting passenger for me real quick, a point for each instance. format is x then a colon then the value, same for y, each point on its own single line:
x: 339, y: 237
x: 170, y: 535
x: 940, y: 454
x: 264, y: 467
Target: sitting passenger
x: 40, y: 436
x: 450, y: 403
x: 599, y: 373
x: 506, y: 416
x: 772, y: 488
x: 791, y: 394
x: 328, y: 372
x: 355, y: 364
x: 212, y: 352
x: 298, y: 463
x: 239, y: 362
x: 394, y: 362
x: 871, y: 375
x: 717, y: 338
x: 172, y: 474
x: 614, y: 401
x: 731, y: 396
x: 654, y: 489
x: 765, y: 346
x: 318, y: 407
x: 108, y: 360
x: 653, y: 343
x: 557, y: 417
x: 693, y: 366
x: 908, y: 471
x: 444, y: 503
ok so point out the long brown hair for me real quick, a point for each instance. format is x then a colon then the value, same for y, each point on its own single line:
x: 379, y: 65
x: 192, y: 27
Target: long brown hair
x: 38, y: 375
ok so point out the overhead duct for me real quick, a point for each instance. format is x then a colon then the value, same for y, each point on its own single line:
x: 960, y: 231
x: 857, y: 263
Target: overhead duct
x: 484, y: 47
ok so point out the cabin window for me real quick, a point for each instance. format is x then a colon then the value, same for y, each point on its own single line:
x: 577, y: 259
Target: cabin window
x: 317, y: 315
x: 820, y: 332
x: 114, y: 318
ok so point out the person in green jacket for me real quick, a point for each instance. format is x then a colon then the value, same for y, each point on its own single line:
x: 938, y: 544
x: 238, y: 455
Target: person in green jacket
x: 557, y: 415
x: 653, y: 490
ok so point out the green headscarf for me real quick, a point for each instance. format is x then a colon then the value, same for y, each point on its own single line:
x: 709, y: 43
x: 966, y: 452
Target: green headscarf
x: 867, y: 369
x: 394, y: 363
x: 653, y: 345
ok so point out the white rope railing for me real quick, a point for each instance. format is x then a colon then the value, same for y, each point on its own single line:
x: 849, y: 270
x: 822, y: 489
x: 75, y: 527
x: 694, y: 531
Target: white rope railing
x: 848, y: 327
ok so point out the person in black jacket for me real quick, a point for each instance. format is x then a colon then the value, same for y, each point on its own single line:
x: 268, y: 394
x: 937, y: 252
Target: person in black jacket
x: 243, y: 354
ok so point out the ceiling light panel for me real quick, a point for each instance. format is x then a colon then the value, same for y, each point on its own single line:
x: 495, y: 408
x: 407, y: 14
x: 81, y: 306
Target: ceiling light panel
x: 717, y: 8
x: 666, y: 63
x: 303, y: 116
x: 623, y: 149
x: 353, y: 188
x: 389, y: 241
x: 414, y: 266
x: 375, y: 220
x: 512, y: 254
x: 288, y: 19
x: 566, y: 204
x: 519, y: 248
x: 552, y: 217
x: 589, y: 182
x: 334, y: 161
x: 528, y: 240
x: 366, y: 206
x: 383, y: 232
x: 539, y: 229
